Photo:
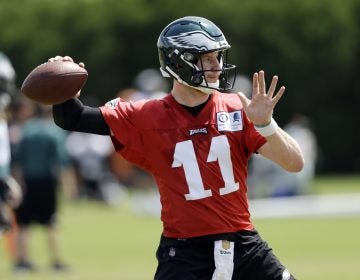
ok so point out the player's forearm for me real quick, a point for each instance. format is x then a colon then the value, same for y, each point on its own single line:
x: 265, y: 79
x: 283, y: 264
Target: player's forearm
x: 74, y: 116
x: 284, y: 150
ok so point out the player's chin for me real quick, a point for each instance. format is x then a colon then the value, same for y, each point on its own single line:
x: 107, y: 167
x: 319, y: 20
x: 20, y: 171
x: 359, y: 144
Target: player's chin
x: 212, y: 79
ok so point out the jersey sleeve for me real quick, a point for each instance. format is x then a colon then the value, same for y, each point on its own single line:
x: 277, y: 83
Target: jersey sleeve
x: 122, y: 118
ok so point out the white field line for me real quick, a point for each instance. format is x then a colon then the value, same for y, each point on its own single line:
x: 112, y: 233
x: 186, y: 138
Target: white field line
x: 307, y: 206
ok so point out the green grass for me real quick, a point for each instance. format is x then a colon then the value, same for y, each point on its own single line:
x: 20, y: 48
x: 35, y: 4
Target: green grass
x: 112, y: 243
x: 337, y: 184
x: 316, y: 248
x: 98, y: 242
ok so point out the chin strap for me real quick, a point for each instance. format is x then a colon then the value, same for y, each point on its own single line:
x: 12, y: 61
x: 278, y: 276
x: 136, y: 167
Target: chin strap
x: 207, y: 89
x: 203, y: 89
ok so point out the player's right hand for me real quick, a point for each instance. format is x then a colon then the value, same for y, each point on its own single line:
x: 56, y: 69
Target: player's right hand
x: 67, y: 58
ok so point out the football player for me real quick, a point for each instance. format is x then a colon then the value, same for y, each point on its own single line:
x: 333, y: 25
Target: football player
x: 197, y: 142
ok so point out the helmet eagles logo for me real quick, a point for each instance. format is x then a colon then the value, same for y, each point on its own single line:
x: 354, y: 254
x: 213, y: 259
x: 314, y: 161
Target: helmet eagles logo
x: 196, y: 41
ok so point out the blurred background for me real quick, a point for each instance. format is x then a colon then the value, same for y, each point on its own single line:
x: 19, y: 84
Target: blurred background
x: 314, y: 48
x: 312, y: 45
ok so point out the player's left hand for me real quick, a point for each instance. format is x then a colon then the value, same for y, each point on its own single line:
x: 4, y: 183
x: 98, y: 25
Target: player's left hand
x: 260, y: 108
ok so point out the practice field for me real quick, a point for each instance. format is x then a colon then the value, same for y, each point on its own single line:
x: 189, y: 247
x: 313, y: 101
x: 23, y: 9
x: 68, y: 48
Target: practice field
x: 99, y: 242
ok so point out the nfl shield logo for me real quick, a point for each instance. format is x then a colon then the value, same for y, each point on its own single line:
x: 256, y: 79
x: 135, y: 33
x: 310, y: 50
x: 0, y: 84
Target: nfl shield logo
x: 172, y: 252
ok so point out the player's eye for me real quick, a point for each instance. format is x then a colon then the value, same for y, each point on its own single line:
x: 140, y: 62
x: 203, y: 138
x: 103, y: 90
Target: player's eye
x: 220, y: 56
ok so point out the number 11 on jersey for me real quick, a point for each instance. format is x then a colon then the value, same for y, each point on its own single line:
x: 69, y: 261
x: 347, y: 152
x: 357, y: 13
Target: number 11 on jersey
x: 185, y: 156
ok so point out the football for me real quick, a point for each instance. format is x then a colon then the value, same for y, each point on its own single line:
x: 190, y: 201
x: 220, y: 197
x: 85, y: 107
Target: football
x: 54, y: 82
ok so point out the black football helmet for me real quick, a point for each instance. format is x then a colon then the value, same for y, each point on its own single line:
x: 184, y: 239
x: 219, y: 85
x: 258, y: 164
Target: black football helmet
x: 180, y: 46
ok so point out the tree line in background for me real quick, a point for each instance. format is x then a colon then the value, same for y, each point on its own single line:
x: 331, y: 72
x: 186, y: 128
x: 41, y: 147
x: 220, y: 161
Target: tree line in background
x: 312, y: 45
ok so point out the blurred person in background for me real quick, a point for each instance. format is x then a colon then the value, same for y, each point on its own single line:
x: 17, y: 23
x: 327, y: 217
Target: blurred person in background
x: 150, y: 84
x: 90, y: 157
x: 10, y: 190
x: 267, y: 179
x: 196, y: 142
x: 301, y: 129
x: 39, y: 159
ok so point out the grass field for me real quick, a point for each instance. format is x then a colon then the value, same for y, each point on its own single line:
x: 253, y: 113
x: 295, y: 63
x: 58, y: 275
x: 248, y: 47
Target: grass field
x: 100, y: 242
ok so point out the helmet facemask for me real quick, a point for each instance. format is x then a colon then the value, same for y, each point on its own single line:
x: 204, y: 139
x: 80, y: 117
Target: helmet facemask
x: 227, y: 74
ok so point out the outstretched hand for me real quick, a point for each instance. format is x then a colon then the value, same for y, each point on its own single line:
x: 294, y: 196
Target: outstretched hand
x: 260, y: 108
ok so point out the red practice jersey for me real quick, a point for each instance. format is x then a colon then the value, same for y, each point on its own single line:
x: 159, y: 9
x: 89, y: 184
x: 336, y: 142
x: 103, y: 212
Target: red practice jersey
x: 199, y: 162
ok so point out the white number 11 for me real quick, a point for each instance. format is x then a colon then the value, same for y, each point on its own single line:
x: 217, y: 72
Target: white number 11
x: 185, y: 156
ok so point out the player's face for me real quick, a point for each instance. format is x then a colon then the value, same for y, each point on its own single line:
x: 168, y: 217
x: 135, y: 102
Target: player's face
x: 210, y: 63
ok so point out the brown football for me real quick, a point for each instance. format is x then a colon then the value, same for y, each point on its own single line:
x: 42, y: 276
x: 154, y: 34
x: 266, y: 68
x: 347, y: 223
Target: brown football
x: 54, y: 82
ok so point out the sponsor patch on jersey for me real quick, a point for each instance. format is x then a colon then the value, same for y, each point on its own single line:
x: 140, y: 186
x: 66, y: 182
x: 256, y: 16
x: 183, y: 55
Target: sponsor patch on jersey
x: 229, y: 121
x: 202, y: 130
x: 112, y: 103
